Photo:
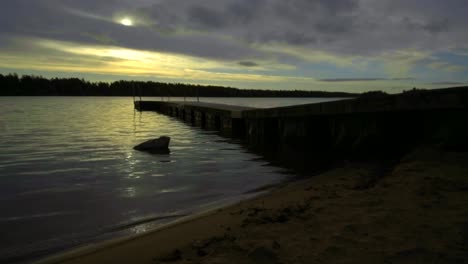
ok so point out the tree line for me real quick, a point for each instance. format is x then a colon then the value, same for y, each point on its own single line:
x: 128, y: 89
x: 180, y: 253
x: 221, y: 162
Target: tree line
x: 28, y: 85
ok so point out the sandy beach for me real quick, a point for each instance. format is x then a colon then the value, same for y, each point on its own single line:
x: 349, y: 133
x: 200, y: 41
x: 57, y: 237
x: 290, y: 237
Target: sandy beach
x: 413, y: 210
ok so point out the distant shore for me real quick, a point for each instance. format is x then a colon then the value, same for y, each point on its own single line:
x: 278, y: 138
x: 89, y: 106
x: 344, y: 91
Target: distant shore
x: 14, y: 85
x: 411, y: 211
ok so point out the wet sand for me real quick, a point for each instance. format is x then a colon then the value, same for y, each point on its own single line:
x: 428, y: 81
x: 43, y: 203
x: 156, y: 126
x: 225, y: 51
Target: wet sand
x: 414, y: 210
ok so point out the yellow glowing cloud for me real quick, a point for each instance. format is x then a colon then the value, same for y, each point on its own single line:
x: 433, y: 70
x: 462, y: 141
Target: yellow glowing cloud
x: 438, y: 65
x: 60, y: 56
x: 72, y: 57
x: 400, y: 63
x: 311, y: 55
x: 137, y: 58
x: 396, y: 63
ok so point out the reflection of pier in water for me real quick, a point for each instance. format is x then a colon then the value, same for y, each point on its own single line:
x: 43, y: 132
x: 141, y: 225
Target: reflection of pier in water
x: 312, y: 135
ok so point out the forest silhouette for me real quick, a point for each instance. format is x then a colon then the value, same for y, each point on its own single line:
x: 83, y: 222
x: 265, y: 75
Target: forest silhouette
x: 28, y: 85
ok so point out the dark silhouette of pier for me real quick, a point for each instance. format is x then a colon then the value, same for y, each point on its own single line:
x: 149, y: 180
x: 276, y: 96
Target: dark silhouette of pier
x: 311, y: 136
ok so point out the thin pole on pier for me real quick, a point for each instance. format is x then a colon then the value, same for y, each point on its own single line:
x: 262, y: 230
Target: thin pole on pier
x: 139, y: 89
x: 133, y: 91
x: 198, y: 94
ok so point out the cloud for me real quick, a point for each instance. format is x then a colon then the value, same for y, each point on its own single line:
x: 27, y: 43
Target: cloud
x: 403, y: 79
x: 447, y: 83
x: 205, y: 18
x: 62, y: 56
x: 296, y: 38
x: 365, y: 79
x: 248, y: 63
x: 401, y: 62
x: 343, y: 27
x: 445, y: 66
x: 353, y: 80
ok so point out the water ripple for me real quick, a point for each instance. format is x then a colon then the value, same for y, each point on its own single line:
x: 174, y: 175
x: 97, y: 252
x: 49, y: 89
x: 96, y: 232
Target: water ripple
x: 68, y: 170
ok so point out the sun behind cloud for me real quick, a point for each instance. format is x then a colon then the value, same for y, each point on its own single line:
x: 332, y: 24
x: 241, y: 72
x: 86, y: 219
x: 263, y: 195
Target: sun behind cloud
x: 128, y: 22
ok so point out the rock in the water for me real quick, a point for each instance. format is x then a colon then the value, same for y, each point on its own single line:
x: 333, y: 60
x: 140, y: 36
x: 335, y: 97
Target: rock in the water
x: 158, y: 145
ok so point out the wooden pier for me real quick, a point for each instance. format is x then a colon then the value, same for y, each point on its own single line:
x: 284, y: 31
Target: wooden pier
x: 227, y: 119
x: 314, y: 134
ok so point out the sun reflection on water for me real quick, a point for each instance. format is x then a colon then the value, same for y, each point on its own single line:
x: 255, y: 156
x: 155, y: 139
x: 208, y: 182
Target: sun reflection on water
x: 139, y: 229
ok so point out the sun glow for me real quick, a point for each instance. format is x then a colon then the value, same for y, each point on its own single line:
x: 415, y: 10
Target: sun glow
x: 126, y: 22
x: 115, y: 60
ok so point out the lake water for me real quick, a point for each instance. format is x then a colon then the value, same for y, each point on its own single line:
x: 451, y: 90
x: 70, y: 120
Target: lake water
x: 69, y: 175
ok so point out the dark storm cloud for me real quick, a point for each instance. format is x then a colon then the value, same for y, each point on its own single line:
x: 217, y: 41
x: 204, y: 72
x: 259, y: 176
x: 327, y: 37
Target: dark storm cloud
x: 85, y: 22
x: 227, y: 29
x: 297, y: 38
x: 294, y: 9
x: 432, y: 26
x: 350, y: 27
x: 248, y: 63
x: 206, y: 17
x: 335, y: 6
x: 437, y: 26
x: 337, y: 26
x: 244, y: 11
x: 47, y: 19
x: 290, y: 37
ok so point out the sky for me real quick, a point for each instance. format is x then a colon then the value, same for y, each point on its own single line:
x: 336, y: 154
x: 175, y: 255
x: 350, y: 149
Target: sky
x: 328, y: 45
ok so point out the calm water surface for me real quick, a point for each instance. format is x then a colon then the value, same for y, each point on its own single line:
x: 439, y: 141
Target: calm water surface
x: 69, y: 175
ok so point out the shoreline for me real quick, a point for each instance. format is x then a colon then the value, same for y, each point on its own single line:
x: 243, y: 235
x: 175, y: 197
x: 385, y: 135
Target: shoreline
x: 207, y: 209
x: 151, y: 225
x: 413, y: 212
x: 85, y: 250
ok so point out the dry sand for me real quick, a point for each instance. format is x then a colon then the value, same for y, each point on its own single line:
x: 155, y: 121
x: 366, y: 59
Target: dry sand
x: 415, y: 211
